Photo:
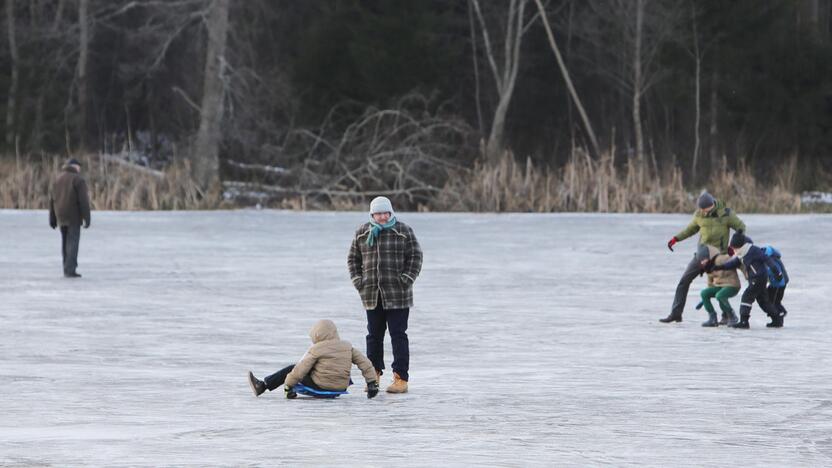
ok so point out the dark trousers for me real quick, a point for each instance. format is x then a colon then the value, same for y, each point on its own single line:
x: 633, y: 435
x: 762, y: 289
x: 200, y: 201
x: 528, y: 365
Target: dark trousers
x: 70, y: 238
x: 691, y: 271
x: 756, y: 291
x: 275, y: 380
x: 775, y: 296
x: 379, y: 320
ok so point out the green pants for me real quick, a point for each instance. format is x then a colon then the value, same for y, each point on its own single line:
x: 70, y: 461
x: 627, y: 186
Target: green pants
x: 721, y: 294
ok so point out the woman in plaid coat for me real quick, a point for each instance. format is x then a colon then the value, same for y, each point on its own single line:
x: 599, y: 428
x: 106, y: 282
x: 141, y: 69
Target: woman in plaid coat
x: 384, y: 261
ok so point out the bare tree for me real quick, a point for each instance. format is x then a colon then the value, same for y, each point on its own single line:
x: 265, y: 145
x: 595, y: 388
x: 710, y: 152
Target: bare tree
x: 628, y: 36
x: 638, y: 79
x: 505, y: 75
x: 697, y: 56
x: 11, y: 106
x: 205, y: 156
x: 47, y: 79
x: 565, y: 72
x: 83, y: 87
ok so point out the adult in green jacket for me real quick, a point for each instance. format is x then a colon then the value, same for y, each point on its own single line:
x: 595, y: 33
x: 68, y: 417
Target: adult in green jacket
x: 713, y: 221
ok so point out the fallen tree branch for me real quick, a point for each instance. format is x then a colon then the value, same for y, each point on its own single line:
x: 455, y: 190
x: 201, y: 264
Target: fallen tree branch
x: 261, y: 190
x: 132, y: 166
x: 257, y: 167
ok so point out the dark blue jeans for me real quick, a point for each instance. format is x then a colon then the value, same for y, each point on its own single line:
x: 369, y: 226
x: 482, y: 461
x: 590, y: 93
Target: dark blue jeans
x: 70, y: 238
x: 275, y: 380
x: 378, y: 321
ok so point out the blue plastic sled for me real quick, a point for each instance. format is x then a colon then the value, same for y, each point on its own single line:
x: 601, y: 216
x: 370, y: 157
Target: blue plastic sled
x: 302, y: 389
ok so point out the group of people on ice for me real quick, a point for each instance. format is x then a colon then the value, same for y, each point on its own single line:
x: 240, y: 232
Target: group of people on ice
x: 384, y: 261
x: 720, y: 257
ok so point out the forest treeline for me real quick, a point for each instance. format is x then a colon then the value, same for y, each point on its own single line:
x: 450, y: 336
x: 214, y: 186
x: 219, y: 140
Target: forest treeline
x: 611, y: 105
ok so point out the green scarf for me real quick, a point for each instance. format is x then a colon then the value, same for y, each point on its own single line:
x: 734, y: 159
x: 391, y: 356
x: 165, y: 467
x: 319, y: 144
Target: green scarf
x: 376, y: 229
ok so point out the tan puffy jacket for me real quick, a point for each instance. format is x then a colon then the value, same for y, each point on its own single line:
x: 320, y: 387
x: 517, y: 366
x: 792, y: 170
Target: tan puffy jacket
x: 329, y: 361
x: 722, y: 278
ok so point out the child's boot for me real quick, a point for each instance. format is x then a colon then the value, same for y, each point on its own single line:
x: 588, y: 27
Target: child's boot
x: 257, y: 385
x: 743, y: 323
x: 724, y: 319
x: 776, y: 321
x: 399, y: 385
x: 732, y: 317
x: 711, y: 322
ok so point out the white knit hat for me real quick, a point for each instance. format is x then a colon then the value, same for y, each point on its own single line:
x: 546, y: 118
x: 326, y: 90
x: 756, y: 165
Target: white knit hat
x: 381, y: 205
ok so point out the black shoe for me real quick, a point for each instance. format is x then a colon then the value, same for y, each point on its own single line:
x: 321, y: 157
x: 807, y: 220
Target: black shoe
x: 711, y: 322
x: 725, y: 320
x: 732, y: 318
x: 743, y: 324
x: 776, y: 322
x: 671, y: 318
x: 72, y: 275
x: 257, y: 386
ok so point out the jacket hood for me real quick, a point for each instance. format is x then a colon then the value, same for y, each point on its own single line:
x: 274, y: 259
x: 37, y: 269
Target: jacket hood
x: 324, y: 330
x: 70, y: 168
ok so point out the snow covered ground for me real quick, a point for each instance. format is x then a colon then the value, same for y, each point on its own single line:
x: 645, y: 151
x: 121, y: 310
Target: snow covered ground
x: 534, y: 341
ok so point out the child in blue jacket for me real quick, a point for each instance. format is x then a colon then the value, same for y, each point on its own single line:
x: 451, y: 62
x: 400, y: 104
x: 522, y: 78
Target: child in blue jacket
x: 776, y: 288
x: 757, y: 266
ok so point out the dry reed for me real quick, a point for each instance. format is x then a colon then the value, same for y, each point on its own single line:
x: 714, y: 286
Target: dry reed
x: 24, y: 184
x: 583, y: 184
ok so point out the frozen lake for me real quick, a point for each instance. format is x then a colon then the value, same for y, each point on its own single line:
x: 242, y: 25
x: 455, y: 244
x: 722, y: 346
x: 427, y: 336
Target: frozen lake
x: 534, y: 341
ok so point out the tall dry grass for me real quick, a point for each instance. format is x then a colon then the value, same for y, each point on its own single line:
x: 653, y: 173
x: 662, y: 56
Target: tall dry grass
x: 600, y: 185
x: 25, y: 184
x: 584, y: 184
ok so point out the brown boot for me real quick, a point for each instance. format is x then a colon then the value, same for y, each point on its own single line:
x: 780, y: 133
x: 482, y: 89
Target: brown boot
x: 398, y: 386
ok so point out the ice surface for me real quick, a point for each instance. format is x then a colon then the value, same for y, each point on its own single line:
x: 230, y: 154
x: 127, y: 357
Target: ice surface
x: 534, y: 341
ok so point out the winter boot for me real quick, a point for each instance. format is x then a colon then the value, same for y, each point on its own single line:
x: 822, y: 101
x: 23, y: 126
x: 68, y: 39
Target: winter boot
x: 399, y: 385
x: 743, y: 323
x: 776, y: 321
x: 257, y: 385
x: 732, y: 318
x: 72, y: 275
x: 671, y: 318
x: 711, y: 322
x: 724, y: 319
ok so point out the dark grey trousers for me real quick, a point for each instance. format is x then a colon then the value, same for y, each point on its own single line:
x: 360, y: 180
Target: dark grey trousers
x: 70, y: 238
x: 692, y: 271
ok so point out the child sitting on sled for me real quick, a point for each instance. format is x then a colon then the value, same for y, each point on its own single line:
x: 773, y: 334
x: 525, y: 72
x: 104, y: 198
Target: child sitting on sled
x: 722, y: 285
x: 325, y: 366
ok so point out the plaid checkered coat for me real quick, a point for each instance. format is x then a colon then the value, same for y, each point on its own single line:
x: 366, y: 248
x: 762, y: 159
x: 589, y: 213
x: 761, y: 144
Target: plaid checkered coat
x: 390, y: 265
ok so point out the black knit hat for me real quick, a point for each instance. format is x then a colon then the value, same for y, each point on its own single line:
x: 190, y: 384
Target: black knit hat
x: 739, y: 239
x: 706, y: 200
x: 73, y: 162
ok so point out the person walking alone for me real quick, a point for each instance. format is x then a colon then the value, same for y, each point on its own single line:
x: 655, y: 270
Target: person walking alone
x: 69, y: 207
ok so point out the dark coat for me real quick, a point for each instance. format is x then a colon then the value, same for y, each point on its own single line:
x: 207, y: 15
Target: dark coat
x: 780, y: 271
x: 756, y: 264
x: 390, y: 265
x: 69, y: 204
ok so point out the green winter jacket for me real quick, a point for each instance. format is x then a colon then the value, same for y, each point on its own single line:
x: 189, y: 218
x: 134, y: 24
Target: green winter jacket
x: 714, y: 228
